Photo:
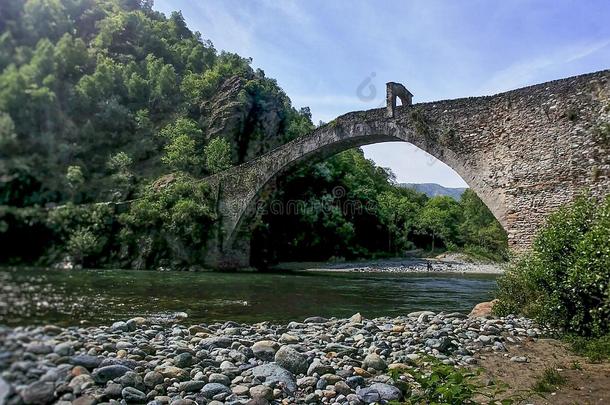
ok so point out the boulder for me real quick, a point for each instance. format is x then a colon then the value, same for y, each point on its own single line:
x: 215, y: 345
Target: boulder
x: 261, y: 392
x: 132, y: 395
x: 38, y: 393
x: 264, y: 350
x: 318, y: 367
x: 104, y: 374
x: 483, y: 309
x: 84, y: 360
x: 273, y: 374
x: 375, y: 362
x: 5, y: 391
x: 174, y: 372
x: 214, y: 342
x: 183, y: 360
x: 290, y: 359
x: 210, y: 390
x: 64, y: 349
x: 153, y: 378
x: 38, y: 348
x: 191, y: 386
x: 356, y: 318
x: 379, y: 392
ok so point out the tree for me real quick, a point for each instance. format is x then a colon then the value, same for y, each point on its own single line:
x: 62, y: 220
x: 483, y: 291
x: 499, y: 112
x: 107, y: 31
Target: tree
x: 71, y: 56
x: 8, y: 138
x: 180, y: 153
x: 82, y: 244
x: 75, y: 178
x: 440, y: 217
x: 45, y: 18
x: 399, y: 213
x: 181, y: 149
x: 480, y: 229
x: 218, y: 155
x: 122, y: 176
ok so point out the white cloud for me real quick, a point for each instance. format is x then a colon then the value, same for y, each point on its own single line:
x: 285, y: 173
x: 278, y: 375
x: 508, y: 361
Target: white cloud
x: 525, y: 72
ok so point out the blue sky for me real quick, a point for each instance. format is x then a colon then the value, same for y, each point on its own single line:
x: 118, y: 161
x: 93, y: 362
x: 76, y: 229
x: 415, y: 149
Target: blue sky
x: 335, y: 56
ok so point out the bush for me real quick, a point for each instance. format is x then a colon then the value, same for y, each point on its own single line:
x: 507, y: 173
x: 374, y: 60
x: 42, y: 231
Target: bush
x: 83, y: 244
x: 218, y: 155
x: 81, y: 231
x: 444, y: 384
x: 548, y: 381
x: 595, y: 349
x: 565, y: 280
x: 169, y: 224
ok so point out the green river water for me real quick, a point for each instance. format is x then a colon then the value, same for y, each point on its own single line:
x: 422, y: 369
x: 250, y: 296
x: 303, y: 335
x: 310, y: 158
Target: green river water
x: 94, y: 297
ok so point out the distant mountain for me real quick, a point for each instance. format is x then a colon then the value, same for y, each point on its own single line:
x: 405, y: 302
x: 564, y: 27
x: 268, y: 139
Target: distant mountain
x: 433, y: 189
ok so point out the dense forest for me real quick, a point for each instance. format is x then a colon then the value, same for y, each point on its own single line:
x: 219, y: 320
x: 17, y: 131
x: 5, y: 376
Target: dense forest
x: 103, y: 101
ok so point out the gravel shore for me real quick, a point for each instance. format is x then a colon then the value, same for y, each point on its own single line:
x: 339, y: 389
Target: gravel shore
x: 447, y: 264
x: 331, y: 361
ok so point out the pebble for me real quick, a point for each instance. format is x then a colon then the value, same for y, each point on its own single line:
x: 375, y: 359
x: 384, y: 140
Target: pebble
x: 374, y: 361
x: 132, y: 395
x: 318, y: 360
x: 38, y: 393
x: 210, y: 390
x: 104, y: 374
x: 261, y: 392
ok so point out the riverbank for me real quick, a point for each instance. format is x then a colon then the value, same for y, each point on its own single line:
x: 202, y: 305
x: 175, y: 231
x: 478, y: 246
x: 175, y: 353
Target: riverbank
x: 446, y: 263
x: 319, y: 360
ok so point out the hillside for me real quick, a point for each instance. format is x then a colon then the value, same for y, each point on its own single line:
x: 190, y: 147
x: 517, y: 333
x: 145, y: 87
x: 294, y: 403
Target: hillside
x: 433, y: 189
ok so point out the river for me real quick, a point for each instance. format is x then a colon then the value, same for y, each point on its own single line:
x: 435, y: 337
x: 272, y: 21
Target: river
x: 96, y: 297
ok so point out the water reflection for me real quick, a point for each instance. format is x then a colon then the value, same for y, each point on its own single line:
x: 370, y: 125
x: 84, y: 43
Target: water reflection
x: 66, y: 298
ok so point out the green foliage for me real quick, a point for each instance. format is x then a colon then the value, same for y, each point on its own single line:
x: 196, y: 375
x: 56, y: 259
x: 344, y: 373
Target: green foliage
x: 440, y: 217
x: 81, y: 81
x: 482, y: 234
x: 83, y: 244
x: 324, y: 210
x: 548, y: 381
x: 442, y: 384
x: 596, y: 349
x: 8, y: 138
x: 370, y: 217
x: 45, y: 18
x: 120, y: 162
x: 122, y: 176
x: 75, y: 178
x: 181, y: 149
x: 81, y: 232
x: 565, y: 280
x: 169, y: 223
x: 399, y: 212
x: 180, y: 153
x: 218, y: 155
x: 445, y: 384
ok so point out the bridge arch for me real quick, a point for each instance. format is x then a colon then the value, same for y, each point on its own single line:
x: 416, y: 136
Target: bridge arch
x: 524, y: 152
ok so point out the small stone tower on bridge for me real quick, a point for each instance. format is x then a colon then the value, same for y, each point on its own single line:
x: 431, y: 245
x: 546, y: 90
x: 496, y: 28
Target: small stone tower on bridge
x: 396, y: 90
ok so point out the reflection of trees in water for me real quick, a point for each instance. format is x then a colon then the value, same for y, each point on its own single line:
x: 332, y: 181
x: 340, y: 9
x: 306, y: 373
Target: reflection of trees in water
x: 101, y: 297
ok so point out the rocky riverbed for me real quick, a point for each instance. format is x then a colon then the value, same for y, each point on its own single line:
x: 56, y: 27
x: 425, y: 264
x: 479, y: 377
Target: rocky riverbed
x: 445, y: 263
x: 333, y: 361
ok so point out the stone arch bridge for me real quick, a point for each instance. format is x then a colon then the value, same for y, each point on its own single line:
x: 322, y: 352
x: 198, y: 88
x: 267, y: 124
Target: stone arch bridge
x: 524, y: 152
